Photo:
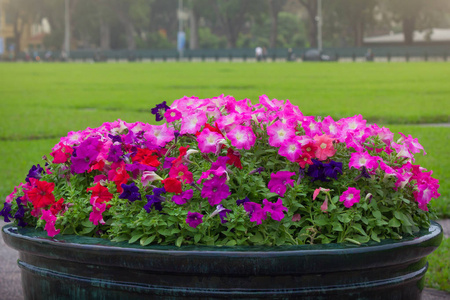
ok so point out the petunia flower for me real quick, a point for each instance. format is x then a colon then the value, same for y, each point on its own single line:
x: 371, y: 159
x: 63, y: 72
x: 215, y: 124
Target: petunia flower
x: 61, y: 154
x: 194, y: 219
x: 279, y: 133
x: 130, y: 192
x: 350, y: 197
x: 20, y: 213
x: 279, y: 181
x: 159, y: 135
x: 100, y: 192
x: 96, y: 215
x: 234, y: 158
x: 172, y: 185
x: 35, y: 172
x: 325, y: 147
x: 42, y: 194
x: 149, y: 176
x: 291, y: 149
x: 172, y: 115
x: 6, y: 212
x: 114, y: 154
x: 363, y: 159
x: 192, y: 122
x: 242, y: 137
x: 332, y: 168
x: 182, y: 173
x: 50, y: 220
x: 242, y: 201
x: 317, y: 191
x: 257, y: 214
x: 304, y: 159
x: 215, y: 190
x: 183, y: 198
x: 222, y: 211
x: 57, y: 206
x: 159, y: 110
x: 208, y: 141
x: 275, y: 209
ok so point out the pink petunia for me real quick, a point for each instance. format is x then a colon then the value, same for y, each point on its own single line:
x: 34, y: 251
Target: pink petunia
x: 160, y: 135
x: 149, y: 176
x: 291, y: 149
x: 208, y: 141
x: 50, y: 220
x: 257, y: 214
x: 275, y: 209
x: 96, y: 216
x: 242, y: 137
x: 192, y: 122
x: 363, y: 159
x: 317, y: 191
x: 182, y: 173
x: 325, y: 147
x: 279, y: 133
x: 350, y: 197
x: 172, y: 115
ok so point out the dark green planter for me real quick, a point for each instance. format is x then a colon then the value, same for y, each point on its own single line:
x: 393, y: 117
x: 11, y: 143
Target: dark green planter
x: 72, y: 267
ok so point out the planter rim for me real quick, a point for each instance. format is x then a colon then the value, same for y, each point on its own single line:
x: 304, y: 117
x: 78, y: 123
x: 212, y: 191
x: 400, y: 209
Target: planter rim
x: 90, y: 243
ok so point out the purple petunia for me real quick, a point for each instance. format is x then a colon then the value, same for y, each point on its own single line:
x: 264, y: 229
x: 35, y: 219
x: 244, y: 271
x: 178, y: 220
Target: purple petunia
x: 155, y: 200
x: 20, y: 213
x: 85, y: 153
x: 159, y: 111
x: 279, y: 181
x: 242, y: 201
x: 332, y: 169
x: 6, y: 212
x: 257, y: 214
x: 130, y: 192
x: 222, y: 211
x: 215, y: 190
x: 114, y: 154
x: 34, y: 172
x: 183, y: 197
x: 275, y: 209
x: 322, y: 171
x: 194, y: 219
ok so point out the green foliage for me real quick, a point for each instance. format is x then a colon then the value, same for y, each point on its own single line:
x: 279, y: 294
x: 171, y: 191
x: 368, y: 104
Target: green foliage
x: 439, y: 267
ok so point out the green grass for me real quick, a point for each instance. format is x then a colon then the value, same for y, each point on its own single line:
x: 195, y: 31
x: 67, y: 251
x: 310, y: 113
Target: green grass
x: 438, y: 273
x: 41, y: 102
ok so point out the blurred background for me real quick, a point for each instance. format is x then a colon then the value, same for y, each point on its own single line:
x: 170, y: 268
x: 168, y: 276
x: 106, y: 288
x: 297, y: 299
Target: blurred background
x: 99, y: 30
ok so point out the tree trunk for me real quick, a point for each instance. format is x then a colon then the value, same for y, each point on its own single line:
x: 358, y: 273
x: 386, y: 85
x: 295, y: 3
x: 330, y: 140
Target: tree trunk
x: 18, y: 29
x: 273, y: 11
x: 358, y: 33
x: 105, y: 35
x: 193, y: 23
x: 129, y: 27
x: 408, y: 29
x: 311, y: 8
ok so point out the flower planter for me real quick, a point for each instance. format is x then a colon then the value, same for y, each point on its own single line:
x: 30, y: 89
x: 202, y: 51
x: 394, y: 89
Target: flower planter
x: 90, y: 268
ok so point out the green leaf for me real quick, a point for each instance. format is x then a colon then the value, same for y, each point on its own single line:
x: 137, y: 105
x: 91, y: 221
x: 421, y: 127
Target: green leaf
x: 394, y: 222
x: 375, y: 237
x: 257, y: 238
x: 179, y: 241
x: 358, y: 228
x: 240, y: 228
x: 231, y: 243
x: 337, y: 226
x: 147, y: 240
x: 197, y: 237
x: 134, y: 238
x: 352, y: 241
x: 377, y: 214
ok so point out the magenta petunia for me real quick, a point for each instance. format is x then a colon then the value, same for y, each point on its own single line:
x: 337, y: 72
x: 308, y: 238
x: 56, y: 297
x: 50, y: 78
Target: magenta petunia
x: 279, y: 181
x: 159, y: 135
x: 275, y: 209
x: 194, y: 219
x: 215, y: 190
x: 257, y: 214
x: 279, y: 133
x: 50, y: 220
x: 350, y: 197
x: 172, y: 115
x: 242, y: 137
x: 192, y: 122
x: 291, y: 149
x: 182, y: 173
x: 183, y: 197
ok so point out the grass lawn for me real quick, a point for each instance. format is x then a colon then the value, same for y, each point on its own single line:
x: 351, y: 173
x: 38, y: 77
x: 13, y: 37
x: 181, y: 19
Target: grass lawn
x: 41, y: 102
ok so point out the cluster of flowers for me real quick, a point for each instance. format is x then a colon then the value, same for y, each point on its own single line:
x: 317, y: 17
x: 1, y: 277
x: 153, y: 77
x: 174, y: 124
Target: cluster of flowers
x: 202, y: 144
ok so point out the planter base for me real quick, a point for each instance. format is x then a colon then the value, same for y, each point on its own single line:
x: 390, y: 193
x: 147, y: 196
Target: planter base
x: 72, y: 267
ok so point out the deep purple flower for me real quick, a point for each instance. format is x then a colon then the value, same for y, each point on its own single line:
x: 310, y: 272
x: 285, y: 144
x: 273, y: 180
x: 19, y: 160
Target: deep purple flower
x: 115, y: 138
x: 115, y: 152
x: 6, y: 212
x: 215, y: 190
x: 159, y: 111
x: 317, y: 171
x: 34, y: 172
x: 20, y: 213
x: 332, y: 168
x: 275, y: 209
x: 259, y: 170
x: 364, y: 173
x: 279, y: 181
x: 241, y: 202
x: 222, y: 211
x: 183, y: 197
x: 155, y: 200
x: 257, y: 214
x: 194, y: 219
x: 130, y: 192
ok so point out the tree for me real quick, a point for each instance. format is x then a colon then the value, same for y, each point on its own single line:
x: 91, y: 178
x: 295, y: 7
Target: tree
x: 22, y: 13
x: 233, y: 14
x: 275, y: 7
x: 312, y: 26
